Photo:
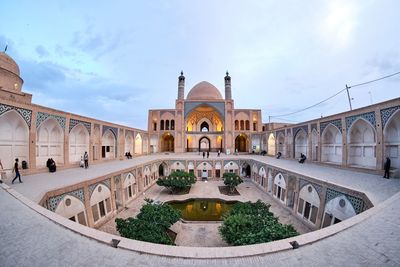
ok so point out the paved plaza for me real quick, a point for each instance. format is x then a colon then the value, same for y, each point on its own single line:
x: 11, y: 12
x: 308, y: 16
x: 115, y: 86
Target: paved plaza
x: 374, y: 186
x: 30, y: 239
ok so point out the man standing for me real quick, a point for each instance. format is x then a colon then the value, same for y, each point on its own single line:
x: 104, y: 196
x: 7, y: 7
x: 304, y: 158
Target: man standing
x: 386, y: 166
x: 16, y: 170
x: 86, y: 159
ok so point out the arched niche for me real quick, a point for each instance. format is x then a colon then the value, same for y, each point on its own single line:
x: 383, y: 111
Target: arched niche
x: 314, y: 145
x: 308, y: 203
x: 281, y: 144
x: 391, y: 136
x: 271, y: 144
x: 49, y: 142
x: 300, y: 143
x: 331, y: 149
x: 72, y: 208
x: 14, y: 136
x: 138, y: 144
x: 100, y: 202
x: 129, y: 143
x: 108, y: 145
x: 337, y: 210
x: 78, y: 143
x: 167, y: 143
x: 242, y: 143
x: 361, y: 145
x: 130, y: 186
x: 280, y: 187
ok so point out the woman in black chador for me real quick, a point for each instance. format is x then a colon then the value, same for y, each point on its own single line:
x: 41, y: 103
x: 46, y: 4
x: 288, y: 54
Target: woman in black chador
x: 387, y: 168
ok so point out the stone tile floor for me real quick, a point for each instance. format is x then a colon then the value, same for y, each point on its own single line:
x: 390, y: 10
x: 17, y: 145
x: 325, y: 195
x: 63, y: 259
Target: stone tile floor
x: 205, y: 234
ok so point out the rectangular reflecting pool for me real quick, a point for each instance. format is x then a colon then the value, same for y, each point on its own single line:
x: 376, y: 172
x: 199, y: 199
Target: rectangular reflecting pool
x: 205, y: 209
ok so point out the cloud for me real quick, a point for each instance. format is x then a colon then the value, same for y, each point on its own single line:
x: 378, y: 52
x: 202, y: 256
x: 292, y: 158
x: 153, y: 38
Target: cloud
x: 41, y: 51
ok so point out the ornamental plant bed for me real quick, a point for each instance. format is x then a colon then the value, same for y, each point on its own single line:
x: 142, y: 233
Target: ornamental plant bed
x: 226, y: 190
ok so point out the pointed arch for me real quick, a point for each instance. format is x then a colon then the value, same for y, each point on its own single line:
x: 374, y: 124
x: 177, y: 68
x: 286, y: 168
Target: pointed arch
x: 72, y: 208
x: 391, y: 139
x: 49, y: 142
x: 271, y: 145
x: 279, y: 190
x: 331, y: 148
x: 300, y: 143
x: 314, y: 145
x: 138, y: 144
x: 78, y: 142
x: 14, y: 138
x: 129, y: 143
x: 308, y: 203
x: 337, y: 210
x: 281, y: 144
x: 108, y: 145
x: 362, y: 144
x: 100, y: 202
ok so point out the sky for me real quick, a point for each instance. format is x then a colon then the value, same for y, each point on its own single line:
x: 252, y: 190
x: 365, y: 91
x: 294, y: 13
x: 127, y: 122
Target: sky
x: 115, y: 60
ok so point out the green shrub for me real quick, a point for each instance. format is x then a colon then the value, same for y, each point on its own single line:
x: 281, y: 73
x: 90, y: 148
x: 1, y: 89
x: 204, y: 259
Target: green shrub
x: 150, y: 225
x: 253, y: 223
x: 177, y: 181
x: 231, y: 180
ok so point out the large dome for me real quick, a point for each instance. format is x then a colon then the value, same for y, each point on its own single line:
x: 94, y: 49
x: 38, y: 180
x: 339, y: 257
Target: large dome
x: 7, y: 63
x: 204, y: 91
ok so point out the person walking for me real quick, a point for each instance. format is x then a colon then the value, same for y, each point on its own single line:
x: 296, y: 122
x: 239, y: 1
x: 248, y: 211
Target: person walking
x: 16, y: 170
x: 2, y: 173
x: 219, y: 153
x: 204, y: 154
x: 386, y: 166
x: 86, y: 159
x: 208, y: 154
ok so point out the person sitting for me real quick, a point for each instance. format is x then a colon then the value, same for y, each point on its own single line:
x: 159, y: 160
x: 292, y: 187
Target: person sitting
x: 263, y: 153
x: 278, y: 155
x: 81, y: 163
x: 302, y: 158
x: 51, y: 164
x: 129, y: 155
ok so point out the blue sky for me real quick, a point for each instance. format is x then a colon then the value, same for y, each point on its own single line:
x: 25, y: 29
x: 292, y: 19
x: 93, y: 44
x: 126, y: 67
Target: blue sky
x: 115, y: 60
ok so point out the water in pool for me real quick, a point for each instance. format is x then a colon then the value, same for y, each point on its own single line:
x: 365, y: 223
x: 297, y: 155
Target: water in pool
x: 202, y: 209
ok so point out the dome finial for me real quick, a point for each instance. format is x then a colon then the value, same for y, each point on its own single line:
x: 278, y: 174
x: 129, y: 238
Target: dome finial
x: 227, y: 73
x: 181, y: 72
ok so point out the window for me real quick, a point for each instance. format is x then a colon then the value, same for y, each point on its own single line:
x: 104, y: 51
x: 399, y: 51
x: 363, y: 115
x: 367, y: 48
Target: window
x: 236, y: 125
x: 155, y: 126
x: 81, y: 218
x: 130, y: 191
x: 108, y: 205
x: 204, y: 127
x: 167, y: 125
x: 162, y: 125
x: 247, y: 125
x: 254, y: 126
x: 172, y: 125
x: 241, y: 125
x: 95, y: 212
x: 218, y: 173
x: 102, y: 210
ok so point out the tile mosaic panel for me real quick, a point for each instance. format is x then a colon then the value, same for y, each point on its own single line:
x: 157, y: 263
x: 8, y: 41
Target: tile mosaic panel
x: 387, y: 113
x: 298, y: 128
x: 25, y: 113
x: 369, y: 116
x: 317, y: 187
x: 358, y: 203
x: 41, y: 117
x: 54, y: 201
x: 337, y: 123
x: 74, y: 122
x: 106, y: 183
x: 112, y: 129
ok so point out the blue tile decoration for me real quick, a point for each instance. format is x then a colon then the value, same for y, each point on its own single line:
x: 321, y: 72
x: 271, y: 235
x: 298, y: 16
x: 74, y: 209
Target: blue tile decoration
x: 337, y: 123
x: 112, y: 129
x: 25, y: 113
x: 54, y: 201
x: 218, y: 106
x: 317, y: 187
x: 357, y: 203
x: 387, y: 113
x: 227, y: 161
x: 106, y: 183
x: 298, y: 128
x: 314, y: 126
x: 279, y: 132
x: 369, y: 116
x: 74, y: 122
x: 41, y: 117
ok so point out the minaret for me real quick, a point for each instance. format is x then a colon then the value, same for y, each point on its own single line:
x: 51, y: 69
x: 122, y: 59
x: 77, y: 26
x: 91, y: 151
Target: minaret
x: 181, y: 87
x: 228, y: 92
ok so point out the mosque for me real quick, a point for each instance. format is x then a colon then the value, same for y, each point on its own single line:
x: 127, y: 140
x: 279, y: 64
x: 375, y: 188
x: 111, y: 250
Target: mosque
x: 354, y: 142
x: 203, y: 121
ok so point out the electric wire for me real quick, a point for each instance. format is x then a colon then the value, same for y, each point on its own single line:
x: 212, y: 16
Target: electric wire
x: 339, y: 92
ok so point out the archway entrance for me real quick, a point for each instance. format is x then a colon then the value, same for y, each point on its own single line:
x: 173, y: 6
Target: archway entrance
x: 241, y: 143
x: 204, y: 144
x: 167, y: 142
